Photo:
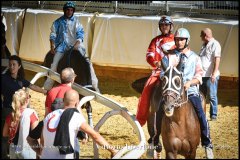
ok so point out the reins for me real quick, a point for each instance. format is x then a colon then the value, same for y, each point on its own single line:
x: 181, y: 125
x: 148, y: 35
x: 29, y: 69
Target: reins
x: 178, y: 100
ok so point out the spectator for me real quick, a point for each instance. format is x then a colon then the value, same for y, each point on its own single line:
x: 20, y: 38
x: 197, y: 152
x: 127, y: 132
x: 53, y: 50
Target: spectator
x: 18, y: 124
x: 67, y: 33
x: 12, y: 81
x: 54, y: 144
x: 56, y: 94
x: 210, y: 56
x: 67, y: 77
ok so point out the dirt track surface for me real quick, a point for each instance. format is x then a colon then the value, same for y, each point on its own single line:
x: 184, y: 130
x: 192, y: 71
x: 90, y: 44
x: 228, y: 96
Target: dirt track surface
x: 116, y: 130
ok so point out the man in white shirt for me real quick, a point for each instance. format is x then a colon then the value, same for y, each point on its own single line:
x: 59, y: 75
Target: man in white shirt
x: 76, y: 122
x: 210, y: 56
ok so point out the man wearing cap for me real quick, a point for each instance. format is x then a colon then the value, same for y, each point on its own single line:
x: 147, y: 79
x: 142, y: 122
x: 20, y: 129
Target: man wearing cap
x: 67, y: 33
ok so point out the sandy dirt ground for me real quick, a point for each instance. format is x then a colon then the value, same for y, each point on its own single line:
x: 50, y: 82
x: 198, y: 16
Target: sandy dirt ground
x: 116, y: 130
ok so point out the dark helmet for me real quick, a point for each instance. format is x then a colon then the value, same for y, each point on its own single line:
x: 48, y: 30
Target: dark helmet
x: 69, y: 5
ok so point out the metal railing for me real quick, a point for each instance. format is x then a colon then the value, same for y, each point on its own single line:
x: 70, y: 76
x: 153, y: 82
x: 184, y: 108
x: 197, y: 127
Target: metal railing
x: 135, y: 151
x: 209, y: 9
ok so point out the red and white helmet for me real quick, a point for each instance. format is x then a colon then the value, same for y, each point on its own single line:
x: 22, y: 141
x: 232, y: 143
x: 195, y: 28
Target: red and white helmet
x: 166, y: 20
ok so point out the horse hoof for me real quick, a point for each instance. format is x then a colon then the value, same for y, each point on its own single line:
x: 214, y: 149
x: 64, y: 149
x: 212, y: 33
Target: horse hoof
x: 150, y: 151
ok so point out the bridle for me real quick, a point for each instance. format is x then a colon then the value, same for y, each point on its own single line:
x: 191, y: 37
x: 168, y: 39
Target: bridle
x: 172, y: 89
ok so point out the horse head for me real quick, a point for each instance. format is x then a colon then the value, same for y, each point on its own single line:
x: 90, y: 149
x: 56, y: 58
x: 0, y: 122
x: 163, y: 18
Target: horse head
x: 172, y: 89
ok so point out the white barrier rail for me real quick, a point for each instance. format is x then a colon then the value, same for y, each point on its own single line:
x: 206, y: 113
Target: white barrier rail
x: 117, y: 109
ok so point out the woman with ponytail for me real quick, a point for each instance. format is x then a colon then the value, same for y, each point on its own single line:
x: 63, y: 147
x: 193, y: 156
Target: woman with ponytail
x: 17, y: 126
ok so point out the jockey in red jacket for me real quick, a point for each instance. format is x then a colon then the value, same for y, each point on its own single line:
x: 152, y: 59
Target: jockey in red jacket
x: 154, y: 55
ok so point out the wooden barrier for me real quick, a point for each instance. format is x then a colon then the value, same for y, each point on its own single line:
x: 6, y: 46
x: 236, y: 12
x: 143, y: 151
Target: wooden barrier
x: 131, y: 74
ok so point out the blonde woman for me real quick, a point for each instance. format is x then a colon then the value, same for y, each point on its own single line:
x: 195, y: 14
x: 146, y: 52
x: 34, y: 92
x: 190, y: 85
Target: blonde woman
x: 18, y: 124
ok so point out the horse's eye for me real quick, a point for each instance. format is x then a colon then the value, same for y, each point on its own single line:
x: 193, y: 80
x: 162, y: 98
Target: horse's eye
x: 176, y: 82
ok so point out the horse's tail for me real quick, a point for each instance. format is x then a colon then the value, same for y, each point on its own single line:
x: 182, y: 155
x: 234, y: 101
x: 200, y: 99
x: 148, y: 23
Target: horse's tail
x: 139, y: 84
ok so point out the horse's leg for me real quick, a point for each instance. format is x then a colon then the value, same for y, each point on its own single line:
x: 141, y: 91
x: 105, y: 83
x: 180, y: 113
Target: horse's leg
x: 150, y: 127
x: 171, y: 155
x: 158, y: 144
x: 192, y: 155
x: 88, y: 107
x: 154, y: 130
x: 89, y: 113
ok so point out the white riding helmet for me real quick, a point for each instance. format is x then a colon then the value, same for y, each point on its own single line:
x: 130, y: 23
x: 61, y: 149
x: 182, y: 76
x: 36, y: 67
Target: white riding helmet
x: 183, y: 33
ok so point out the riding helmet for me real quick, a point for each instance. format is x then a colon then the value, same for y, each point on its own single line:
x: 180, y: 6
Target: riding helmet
x: 182, y: 33
x: 69, y: 5
x: 166, y: 20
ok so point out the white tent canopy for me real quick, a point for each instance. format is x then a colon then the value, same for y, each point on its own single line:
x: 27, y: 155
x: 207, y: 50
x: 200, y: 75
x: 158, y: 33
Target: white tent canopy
x: 115, y: 40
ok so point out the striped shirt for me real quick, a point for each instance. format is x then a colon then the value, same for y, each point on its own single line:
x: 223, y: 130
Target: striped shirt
x: 155, y: 52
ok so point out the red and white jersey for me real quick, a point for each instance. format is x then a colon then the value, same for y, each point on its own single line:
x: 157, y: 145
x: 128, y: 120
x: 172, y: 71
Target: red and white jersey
x: 155, y: 52
x: 49, y: 131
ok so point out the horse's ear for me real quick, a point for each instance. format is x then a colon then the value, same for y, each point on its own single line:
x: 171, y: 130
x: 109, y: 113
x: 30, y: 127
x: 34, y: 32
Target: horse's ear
x: 164, y: 63
x: 179, y: 66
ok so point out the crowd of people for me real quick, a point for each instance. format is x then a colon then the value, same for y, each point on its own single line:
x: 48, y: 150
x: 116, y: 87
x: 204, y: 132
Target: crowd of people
x: 21, y: 128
